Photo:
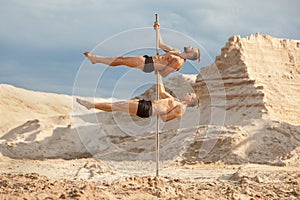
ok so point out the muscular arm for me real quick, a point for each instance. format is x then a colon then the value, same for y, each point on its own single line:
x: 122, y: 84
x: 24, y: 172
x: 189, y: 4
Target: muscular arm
x: 166, y: 71
x: 164, y: 46
x: 175, y: 113
x: 161, y: 90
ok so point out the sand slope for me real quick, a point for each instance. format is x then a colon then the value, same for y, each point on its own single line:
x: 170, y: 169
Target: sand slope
x: 242, y: 117
x: 249, y: 113
x: 253, y: 76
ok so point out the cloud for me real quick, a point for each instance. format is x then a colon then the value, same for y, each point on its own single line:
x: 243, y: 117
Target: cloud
x: 44, y: 40
x: 220, y: 20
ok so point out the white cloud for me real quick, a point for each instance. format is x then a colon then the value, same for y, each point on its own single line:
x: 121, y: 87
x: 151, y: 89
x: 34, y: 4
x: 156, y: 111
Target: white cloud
x: 53, y: 26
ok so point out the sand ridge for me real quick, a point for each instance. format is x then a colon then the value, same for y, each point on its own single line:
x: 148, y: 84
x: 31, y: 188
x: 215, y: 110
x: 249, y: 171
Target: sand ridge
x: 243, y: 140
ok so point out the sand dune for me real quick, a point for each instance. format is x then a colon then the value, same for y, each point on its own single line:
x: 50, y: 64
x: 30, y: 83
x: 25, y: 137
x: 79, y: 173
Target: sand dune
x: 253, y: 77
x: 18, y: 106
x: 249, y: 113
x: 237, y: 121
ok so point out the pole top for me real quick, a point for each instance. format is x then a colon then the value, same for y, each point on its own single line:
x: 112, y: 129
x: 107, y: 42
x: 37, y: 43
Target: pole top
x: 156, y: 17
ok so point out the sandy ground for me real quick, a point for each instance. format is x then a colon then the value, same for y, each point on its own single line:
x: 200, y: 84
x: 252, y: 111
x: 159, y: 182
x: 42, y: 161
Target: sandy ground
x: 93, y: 179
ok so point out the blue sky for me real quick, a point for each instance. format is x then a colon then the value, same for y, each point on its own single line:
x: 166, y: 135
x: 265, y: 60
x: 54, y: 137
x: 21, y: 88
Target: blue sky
x: 42, y: 41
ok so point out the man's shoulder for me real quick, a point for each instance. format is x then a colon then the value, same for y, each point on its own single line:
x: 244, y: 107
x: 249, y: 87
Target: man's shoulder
x: 173, y: 53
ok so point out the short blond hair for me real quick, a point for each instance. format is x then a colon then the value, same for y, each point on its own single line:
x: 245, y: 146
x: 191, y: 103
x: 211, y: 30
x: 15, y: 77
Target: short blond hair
x: 195, y: 101
x: 196, y: 55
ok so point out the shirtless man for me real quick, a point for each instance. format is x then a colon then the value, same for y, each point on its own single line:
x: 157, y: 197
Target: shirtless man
x: 165, y: 64
x: 167, y: 108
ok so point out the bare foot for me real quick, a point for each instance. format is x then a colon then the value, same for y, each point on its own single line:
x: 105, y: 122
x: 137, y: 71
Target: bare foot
x: 84, y: 103
x: 90, y: 56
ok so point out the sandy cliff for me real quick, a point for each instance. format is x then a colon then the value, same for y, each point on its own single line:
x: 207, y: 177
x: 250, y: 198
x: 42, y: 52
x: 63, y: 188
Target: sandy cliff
x: 252, y: 77
x: 249, y: 112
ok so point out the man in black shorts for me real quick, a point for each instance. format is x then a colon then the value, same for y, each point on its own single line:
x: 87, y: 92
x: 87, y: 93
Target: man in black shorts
x: 167, y: 108
x: 171, y: 61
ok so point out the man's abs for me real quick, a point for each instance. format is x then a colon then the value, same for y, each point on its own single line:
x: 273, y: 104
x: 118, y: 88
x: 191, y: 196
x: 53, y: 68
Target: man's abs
x: 168, y: 60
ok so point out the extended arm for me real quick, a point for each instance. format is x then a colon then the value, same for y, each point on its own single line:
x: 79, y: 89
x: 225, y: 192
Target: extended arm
x: 161, y: 89
x: 162, y: 45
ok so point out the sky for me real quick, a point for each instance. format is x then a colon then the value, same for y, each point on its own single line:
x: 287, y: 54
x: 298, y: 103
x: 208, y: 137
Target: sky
x: 42, y: 42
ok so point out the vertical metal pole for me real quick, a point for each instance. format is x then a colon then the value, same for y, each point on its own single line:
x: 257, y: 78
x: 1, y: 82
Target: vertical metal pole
x: 157, y: 97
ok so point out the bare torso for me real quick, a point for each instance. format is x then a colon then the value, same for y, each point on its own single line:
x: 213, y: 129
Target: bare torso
x: 168, y: 63
x: 164, y: 106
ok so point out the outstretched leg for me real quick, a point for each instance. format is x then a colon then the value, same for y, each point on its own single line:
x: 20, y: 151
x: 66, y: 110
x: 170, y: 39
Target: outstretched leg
x: 130, y: 61
x: 130, y: 106
x: 86, y: 104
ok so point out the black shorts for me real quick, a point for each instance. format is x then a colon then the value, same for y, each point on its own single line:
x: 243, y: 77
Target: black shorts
x: 144, y: 109
x: 149, y: 65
